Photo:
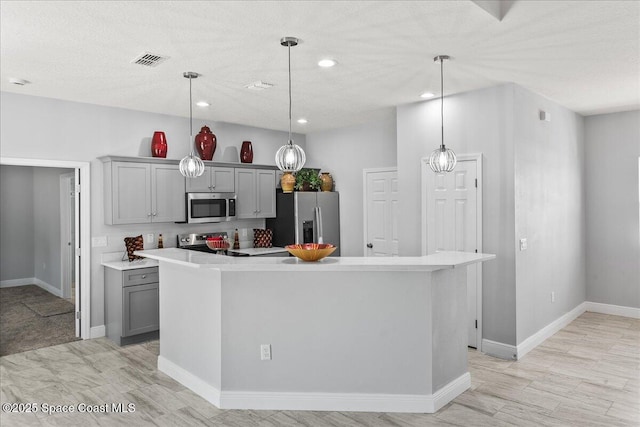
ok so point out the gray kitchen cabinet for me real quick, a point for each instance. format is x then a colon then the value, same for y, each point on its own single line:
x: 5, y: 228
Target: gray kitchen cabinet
x: 137, y: 193
x: 256, y: 190
x: 215, y: 179
x: 131, y: 304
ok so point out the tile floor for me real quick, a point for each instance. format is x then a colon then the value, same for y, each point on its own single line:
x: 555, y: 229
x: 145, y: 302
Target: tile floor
x: 588, y: 374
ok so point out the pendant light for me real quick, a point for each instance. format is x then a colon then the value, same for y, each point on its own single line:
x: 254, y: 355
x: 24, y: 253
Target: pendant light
x: 191, y: 166
x: 290, y: 157
x: 442, y: 159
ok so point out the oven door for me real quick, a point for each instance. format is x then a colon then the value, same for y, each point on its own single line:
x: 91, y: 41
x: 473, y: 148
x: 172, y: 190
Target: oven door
x: 210, y: 207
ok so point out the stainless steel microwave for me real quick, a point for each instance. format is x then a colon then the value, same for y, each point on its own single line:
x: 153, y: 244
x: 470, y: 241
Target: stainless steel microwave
x: 210, y: 207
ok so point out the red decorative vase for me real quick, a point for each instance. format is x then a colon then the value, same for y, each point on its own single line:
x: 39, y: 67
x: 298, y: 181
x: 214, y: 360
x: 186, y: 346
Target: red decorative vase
x: 159, y: 145
x: 206, y: 143
x: 246, y: 152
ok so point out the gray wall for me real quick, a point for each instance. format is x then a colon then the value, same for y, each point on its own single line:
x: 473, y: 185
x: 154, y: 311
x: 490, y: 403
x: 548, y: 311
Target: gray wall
x: 549, y: 211
x: 613, y: 247
x: 45, y: 128
x: 475, y: 122
x: 16, y: 222
x: 345, y: 153
x: 46, y: 225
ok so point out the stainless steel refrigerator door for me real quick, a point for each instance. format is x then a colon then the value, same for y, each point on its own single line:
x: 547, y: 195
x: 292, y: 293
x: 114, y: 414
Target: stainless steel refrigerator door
x: 304, y: 205
x: 329, y: 203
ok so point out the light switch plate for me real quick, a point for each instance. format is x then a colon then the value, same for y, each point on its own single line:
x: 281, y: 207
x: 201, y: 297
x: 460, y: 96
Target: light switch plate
x: 523, y: 244
x: 99, y: 242
x: 265, y: 352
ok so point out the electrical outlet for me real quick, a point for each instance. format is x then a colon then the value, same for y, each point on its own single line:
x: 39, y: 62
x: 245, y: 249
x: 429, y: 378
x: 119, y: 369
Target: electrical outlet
x: 265, y: 352
x: 523, y: 244
x: 99, y: 242
x: 553, y: 296
x: 149, y: 238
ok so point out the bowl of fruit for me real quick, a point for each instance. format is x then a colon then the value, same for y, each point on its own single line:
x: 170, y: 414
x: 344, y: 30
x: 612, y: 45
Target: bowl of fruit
x: 311, y: 251
x: 217, y: 243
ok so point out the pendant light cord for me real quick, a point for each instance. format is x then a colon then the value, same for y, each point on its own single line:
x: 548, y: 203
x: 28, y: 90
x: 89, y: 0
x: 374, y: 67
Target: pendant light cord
x: 289, y: 49
x: 190, y: 117
x: 442, y: 101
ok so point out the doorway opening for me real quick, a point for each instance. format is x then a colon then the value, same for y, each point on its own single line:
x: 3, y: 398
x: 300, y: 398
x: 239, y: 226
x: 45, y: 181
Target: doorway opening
x: 50, y: 283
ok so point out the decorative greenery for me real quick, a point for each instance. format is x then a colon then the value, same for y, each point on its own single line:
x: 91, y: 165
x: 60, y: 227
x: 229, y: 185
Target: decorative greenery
x: 310, y: 177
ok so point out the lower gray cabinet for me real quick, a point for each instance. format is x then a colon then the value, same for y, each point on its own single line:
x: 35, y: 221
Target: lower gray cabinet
x: 131, y: 304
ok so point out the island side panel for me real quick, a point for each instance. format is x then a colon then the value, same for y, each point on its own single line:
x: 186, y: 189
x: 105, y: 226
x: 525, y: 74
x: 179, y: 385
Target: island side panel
x: 330, y: 332
x: 190, y: 327
x: 449, y: 326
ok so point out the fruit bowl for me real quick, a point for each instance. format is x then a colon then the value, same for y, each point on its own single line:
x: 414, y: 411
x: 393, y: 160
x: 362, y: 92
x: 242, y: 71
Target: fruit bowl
x: 217, y: 244
x: 311, y: 251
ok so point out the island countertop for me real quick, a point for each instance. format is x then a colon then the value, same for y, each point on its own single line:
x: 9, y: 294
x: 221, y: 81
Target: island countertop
x: 438, y: 261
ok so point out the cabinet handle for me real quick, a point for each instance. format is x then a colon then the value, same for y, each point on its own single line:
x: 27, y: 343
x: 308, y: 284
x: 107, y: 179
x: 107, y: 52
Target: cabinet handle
x: 155, y: 213
x: 144, y: 276
x: 149, y: 214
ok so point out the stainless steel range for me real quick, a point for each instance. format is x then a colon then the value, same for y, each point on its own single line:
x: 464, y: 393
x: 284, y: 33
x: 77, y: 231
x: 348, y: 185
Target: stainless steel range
x: 198, y: 242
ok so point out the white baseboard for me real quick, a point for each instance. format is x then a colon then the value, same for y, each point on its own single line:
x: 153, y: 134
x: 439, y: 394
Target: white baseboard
x: 186, y: 378
x: 98, y: 331
x: 352, y: 402
x: 500, y: 350
x: 539, y: 337
x: 31, y: 281
x: 17, y: 282
x: 616, y: 310
x: 47, y: 287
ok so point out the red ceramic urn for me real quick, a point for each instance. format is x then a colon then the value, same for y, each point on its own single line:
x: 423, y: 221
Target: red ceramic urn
x: 246, y: 152
x: 159, y: 145
x: 206, y: 143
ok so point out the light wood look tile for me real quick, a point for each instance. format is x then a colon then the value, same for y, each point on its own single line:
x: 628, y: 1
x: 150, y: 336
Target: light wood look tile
x: 588, y: 374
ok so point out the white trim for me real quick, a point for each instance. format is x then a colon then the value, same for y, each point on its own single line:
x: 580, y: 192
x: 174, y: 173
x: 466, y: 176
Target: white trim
x: 498, y: 349
x: 48, y: 287
x: 616, y: 310
x: 17, y: 282
x: 65, y: 233
x: 83, y: 170
x: 365, y: 207
x: 425, y: 174
x: 539, y: 337
x: 31, y: 281
x: 186, y: 378
x: 98, y: 331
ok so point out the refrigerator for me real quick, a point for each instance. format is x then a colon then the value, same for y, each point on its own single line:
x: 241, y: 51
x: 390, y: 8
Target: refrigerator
x: 306, y: 217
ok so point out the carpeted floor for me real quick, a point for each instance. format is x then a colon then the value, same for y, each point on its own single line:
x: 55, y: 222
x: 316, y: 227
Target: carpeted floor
x: 32, y: 318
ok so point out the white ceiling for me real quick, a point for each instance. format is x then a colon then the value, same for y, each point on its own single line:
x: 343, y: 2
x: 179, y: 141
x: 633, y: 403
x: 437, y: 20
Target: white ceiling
x: 584, y: 55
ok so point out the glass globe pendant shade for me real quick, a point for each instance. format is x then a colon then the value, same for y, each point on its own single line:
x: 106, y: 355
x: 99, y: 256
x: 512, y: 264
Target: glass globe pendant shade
x: 442, y: 160
x: 290, y: 157
x: 191, y: 166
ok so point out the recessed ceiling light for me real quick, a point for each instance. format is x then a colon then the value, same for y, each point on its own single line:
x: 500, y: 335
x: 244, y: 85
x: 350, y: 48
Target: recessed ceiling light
x: 427, y: 95
x: 302, y: 121
x: 326, y: 63
x: 202, y: 104
x: 19, y: 82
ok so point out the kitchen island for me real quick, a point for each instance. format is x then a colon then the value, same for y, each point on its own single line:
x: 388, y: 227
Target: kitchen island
x: 341, y: 334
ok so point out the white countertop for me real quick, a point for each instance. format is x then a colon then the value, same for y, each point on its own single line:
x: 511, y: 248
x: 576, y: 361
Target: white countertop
x: 433, y: 262
x: 126, y: 265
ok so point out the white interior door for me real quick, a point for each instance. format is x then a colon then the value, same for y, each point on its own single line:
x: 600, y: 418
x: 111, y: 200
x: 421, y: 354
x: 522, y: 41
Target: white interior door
x: 451, y: 217
x: 381, y: 212
x: 67, y: 232
x: 77, y: 252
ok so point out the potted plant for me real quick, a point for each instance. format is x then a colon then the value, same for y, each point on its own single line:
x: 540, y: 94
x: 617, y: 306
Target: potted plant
x: 308, y: 180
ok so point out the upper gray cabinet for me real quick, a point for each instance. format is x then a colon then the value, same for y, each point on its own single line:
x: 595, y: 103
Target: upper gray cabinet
x: 215, y: 179
x: 138, y: 193
x: 256, y: 190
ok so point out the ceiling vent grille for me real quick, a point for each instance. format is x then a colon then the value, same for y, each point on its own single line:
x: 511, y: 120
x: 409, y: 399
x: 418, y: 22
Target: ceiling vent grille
x: 259, y: 85
x: 149, y: 59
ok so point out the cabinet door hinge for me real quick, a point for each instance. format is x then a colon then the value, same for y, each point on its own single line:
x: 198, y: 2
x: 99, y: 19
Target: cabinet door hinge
x: 78, y: 188
x: 476, y: 323
x: 77, y: 315
x: 476, y: 182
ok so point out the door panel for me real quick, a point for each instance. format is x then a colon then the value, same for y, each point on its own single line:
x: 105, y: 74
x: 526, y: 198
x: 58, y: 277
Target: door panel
x: 200, y: 184
x: 451, y: 224
x: 246, y: 191
x: 381, y: 212
x: 266, y: 193
x: 222, y: 180
x: 168, y: 188
x: 132, y: 187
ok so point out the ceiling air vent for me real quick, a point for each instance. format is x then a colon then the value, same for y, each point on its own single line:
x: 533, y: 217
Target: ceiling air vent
x: 259, y: 85
x: 149, y: 59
